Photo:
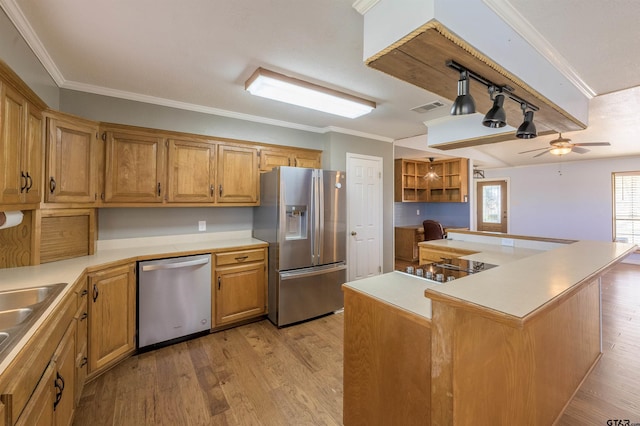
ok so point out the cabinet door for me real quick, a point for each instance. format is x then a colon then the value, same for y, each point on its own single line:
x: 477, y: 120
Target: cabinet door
x: 13, y: 181
x: 111, y: 316
x: 32, y: 155
x: 237, y: 176
x: 191, y: 171
x: 240, y: 293
x: 70, y: 161
x: 270, y: 158
x: 64, y: 380
x: 39, y: 409
x: 309, y: 160
x: 134, y: 168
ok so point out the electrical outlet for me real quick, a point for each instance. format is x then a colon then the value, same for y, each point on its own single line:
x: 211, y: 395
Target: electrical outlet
x: 508, y: 242
x: 417, y: 212
x: 202, y: 225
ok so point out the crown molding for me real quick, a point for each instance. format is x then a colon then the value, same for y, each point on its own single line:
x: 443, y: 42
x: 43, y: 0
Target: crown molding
x: 25, y: 29
x: 505, y: 10
x: 363, y: 6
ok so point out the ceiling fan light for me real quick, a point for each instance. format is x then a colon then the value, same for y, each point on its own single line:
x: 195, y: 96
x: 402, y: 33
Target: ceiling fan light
x: 464, y: 103
x: 496, y: 117
x: 527, y: 129
x: 560, y: 150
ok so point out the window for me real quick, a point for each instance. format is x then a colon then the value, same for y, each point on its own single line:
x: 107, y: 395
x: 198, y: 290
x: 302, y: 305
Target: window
x: 626, y: 207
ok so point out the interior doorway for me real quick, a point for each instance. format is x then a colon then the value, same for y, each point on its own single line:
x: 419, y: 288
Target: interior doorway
x: 364, y: 204
x: 492, y: 209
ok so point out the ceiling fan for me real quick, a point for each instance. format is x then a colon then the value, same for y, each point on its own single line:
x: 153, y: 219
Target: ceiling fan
x: 562, y: 146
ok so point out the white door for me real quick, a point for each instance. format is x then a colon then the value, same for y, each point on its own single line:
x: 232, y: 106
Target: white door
x: 364, y: 204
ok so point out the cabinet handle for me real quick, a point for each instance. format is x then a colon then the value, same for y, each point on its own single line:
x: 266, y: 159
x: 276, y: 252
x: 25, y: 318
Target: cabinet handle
x: 158, y: 189
x: 219, y: 279
x: 104, y: 136
x: 84, y: 316
x: 30, y: 179
x: 84, y: 361
x: 23, y: 187
x: 241, y: 258
x: 212, y: 189
x: 59, y: 385
x: 84, y: 292
x: 220, y: 190
x: 95, y: 292
x: 52, y: 184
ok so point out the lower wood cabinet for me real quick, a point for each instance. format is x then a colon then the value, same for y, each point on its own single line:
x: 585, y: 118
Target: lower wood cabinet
x: 429, y: 254
x: 406, y: 242
x: 112, y: 303
x: 240, y: 286
x: 39, y: 409
x: 64, y: 381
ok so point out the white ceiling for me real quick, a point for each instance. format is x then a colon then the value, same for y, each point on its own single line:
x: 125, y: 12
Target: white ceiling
x: 197, y: 55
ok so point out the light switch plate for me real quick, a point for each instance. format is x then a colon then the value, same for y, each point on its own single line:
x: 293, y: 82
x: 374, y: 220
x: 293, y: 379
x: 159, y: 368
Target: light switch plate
x: 202, y: 225
x: 507, y: 242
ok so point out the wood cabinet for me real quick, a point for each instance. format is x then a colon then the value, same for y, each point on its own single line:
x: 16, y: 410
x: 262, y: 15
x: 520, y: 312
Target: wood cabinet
x: 406, y: 242
x: 71, y: 161
x: 39, y: 409
x: 111, y: 316
x: 409, y: 182
x: 240, y: 286
x: 432, y: 253
x: 450, y: 187
x: 21, y: 147
x: 237, y: 174
x: 64, y: 381
x: 191, y: 171
x: 134, y: 166
x: 274, y: 157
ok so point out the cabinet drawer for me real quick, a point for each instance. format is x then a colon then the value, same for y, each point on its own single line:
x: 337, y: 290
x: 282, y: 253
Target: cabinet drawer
x: 244, y: 256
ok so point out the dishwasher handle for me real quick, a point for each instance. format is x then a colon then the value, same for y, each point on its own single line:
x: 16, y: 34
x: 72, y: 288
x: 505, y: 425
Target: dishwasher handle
x: 161, y: 266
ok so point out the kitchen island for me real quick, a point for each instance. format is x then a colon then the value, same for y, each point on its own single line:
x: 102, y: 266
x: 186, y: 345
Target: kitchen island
x: 509, y: 345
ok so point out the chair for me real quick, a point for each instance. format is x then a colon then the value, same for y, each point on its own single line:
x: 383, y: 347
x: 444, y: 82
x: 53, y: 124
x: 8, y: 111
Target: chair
x: 432, y: 230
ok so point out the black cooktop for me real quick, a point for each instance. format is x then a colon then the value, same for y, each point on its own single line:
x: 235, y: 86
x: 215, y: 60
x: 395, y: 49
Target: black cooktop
x: 449, y: 269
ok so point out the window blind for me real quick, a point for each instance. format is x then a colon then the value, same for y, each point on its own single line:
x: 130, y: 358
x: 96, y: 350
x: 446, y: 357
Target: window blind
x: 626, y: 206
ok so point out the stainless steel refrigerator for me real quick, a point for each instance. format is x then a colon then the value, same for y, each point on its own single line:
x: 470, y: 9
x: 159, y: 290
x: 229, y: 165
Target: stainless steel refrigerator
x: 302, y: 215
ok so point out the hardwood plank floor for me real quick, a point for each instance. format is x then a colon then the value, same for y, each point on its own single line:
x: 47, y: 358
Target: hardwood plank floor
x: 259, y: 375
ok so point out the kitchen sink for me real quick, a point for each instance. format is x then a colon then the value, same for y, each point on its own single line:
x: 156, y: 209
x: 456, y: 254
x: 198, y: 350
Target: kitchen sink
x: 20, y: 309
x: 14, y: 317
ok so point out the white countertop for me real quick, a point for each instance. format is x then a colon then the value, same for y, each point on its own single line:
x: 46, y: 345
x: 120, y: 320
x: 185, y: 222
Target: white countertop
x: 525, y: 279
x: 68, y: 271
x: 399, y: 289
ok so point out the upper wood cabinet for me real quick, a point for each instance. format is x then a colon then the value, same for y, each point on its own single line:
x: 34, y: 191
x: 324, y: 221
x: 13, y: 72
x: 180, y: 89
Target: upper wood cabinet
x: 451, y: 186
x: 72, y: 157
x: 21, y: 146
x: 274, y: 157
x: 191, y: 171
x: 237, y: 174
x: 134, y: 167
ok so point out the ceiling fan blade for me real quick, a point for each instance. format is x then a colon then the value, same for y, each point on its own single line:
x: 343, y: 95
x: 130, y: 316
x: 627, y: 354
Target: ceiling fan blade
x: 532, y: 150
x: 592, y: 144
x: 542, y: 153
x: 579, y: 150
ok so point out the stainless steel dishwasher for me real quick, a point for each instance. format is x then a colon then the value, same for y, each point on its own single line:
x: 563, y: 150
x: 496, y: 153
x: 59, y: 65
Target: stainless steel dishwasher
x: 174, y: 300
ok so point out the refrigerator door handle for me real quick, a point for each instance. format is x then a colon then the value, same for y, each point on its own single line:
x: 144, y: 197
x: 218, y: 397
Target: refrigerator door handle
x: 309, y: 272
x: 321, y: 207
x: 315, y: 208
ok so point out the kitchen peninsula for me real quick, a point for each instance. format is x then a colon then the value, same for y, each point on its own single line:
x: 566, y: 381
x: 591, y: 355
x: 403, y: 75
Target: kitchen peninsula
x: 508, y: 345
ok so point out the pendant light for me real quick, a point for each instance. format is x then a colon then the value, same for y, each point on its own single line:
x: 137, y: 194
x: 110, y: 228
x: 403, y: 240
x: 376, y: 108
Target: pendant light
x: 464, y: 103
x: 431, y: 174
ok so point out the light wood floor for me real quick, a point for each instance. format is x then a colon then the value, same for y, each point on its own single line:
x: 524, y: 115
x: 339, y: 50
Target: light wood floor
x: 259, y: 375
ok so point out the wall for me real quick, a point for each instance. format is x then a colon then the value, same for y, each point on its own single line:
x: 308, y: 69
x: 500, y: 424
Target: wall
x: 453, y: 215
x: 15, y: 52
x: 570, y: 200
x: 337, y: 147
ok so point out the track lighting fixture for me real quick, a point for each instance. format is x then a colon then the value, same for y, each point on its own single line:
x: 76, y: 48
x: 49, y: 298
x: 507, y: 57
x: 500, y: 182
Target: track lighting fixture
x: 527, y: 129
x: 496, y: 117
x: 464, y: 103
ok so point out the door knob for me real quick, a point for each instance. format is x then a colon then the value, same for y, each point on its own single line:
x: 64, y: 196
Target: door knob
x: 354, y: 233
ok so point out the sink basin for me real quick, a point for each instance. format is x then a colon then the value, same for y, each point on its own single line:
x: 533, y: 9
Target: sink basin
x: 14, y: 317
x: 21, y: 298
x: 20, y: 309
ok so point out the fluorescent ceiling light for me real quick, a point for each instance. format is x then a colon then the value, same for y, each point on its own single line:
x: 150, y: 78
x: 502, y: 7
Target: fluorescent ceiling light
x: 272, y: 85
